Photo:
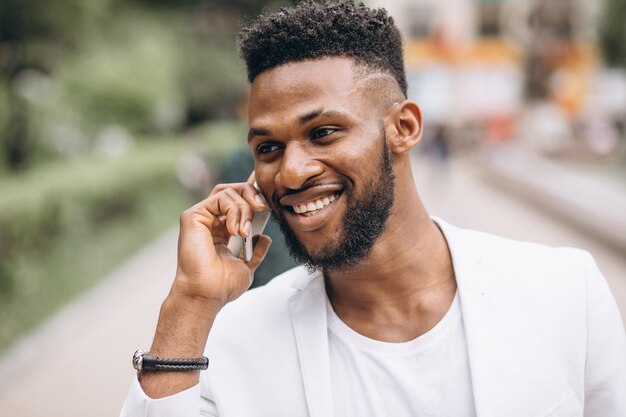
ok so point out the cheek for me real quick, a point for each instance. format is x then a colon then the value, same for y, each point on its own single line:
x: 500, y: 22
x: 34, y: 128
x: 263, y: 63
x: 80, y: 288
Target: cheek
x: 360, y: 155
x: 264, y: 175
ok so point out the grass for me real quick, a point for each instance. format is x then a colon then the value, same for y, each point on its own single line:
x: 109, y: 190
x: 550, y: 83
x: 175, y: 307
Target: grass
x: 65, y: 226
x: 52, y: 278
x: 96, y: 212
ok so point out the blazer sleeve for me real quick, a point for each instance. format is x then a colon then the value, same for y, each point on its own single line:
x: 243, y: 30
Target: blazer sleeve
x: 605, y: 368
x: 188, y: 403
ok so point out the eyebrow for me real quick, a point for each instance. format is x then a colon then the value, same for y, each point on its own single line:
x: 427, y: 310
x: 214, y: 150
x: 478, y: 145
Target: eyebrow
x: 319, y: 113
x: 257, y: 131
x: 305, y: 118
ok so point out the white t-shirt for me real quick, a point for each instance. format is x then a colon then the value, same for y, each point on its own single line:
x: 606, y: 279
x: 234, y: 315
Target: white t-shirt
x: 427, y: 376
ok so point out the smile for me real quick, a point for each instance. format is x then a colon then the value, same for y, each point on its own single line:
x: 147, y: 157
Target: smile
x: 312, y: 207
x: 313, y: 212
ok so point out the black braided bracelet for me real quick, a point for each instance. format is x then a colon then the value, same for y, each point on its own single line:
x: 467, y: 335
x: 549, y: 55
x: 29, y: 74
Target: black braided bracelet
x: 142, y: 361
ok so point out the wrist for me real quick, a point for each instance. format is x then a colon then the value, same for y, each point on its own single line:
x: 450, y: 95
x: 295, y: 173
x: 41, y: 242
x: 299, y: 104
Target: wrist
x: 183, y: 327
x: 181, y: 298
x: 197, y: 293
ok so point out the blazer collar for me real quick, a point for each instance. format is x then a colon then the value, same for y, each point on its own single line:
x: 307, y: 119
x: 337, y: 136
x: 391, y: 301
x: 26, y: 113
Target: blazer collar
x: 513, y: 374
x: 308, y: 317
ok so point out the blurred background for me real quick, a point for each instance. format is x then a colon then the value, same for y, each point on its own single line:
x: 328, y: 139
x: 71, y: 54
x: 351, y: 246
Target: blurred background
x: 117, y: 115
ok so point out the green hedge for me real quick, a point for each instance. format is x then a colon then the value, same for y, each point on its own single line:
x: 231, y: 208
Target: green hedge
x: 65, y: 226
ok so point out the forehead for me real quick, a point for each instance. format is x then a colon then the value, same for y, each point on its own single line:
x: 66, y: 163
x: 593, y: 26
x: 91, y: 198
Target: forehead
x: 301, y: 87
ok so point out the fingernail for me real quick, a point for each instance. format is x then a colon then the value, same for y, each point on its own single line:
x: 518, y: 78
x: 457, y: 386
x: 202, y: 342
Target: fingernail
x: 247, y: 228
x: 259, y: 200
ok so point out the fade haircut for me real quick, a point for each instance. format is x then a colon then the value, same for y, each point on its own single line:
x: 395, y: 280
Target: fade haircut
x: 315, y: 30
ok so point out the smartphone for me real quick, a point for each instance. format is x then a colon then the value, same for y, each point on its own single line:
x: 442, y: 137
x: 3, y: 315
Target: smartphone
x: 243, y: 246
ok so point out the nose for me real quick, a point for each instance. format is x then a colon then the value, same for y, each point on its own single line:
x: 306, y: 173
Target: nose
x: 297, y: 166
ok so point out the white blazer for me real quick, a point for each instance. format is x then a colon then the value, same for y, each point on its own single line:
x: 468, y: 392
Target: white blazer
x: 544, y: 339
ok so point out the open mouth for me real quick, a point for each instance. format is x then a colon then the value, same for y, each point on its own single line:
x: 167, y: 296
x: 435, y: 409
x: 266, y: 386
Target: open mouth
x: 312, y: 207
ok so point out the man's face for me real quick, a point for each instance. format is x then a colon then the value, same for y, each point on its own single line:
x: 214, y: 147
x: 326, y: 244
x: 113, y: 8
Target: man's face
x: 321, y: 160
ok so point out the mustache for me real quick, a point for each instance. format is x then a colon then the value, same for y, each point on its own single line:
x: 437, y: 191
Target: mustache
x: 308, y: 184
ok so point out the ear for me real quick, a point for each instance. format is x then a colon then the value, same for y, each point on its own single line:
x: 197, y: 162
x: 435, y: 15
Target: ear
x: 403, y: 126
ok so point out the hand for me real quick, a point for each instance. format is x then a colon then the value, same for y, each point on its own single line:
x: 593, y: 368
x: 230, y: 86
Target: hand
x: 207, y: 269
x: 208, y: 277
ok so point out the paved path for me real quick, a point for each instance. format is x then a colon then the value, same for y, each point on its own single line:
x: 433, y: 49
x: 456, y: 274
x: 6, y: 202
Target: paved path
x: 78, y: 363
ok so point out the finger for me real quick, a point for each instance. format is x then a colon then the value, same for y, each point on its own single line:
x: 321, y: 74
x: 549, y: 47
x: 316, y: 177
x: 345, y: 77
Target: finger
x: 252, y: 196
x: 244, y: 189
x: 220, y: 233
x: 221, y: 205
x: 261, y: 246
x: 244, y: 210
x: 195, y: 216
x: 258, y: 196
x: 221, y: 187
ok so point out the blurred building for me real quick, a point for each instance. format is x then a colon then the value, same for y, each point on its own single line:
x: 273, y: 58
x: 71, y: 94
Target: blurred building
x: 464, y: 21
x: 483, y: 64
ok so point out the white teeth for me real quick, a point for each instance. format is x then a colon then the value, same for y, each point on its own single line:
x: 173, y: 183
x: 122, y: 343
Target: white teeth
x: 311, y: 207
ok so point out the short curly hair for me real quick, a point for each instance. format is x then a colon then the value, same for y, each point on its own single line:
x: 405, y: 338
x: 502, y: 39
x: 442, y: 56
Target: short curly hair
x: 313, y: 30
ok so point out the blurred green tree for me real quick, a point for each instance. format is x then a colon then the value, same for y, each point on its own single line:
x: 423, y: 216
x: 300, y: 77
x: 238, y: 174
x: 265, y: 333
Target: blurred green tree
x: 151, y: 66
x: 35, y: 34
x: 245, y: 7
x: 613, y: 32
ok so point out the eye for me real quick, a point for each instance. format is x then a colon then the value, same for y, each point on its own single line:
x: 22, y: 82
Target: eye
x: 266, y: 148
x: 321, y: 132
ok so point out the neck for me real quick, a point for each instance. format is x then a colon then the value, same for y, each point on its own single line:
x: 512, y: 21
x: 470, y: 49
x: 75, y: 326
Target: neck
x: 407, y: 277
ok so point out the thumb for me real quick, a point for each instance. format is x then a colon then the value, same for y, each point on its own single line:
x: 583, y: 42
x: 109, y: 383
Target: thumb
x: 261, y: 246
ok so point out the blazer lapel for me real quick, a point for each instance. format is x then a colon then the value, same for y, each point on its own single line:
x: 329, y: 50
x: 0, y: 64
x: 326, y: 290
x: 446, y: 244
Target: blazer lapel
x: 308, y: 315
x: 513, y: 374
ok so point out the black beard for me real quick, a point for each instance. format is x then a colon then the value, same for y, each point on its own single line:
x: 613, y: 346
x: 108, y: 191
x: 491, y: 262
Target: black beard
x: 363, y: 222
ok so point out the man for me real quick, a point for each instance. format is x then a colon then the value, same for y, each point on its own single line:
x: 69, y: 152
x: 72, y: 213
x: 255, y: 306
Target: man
x: 395, y: 313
